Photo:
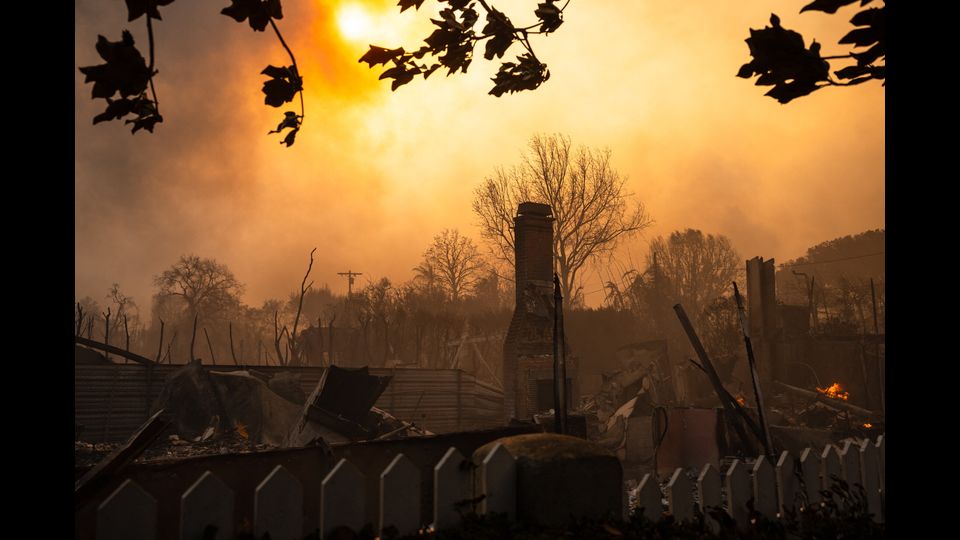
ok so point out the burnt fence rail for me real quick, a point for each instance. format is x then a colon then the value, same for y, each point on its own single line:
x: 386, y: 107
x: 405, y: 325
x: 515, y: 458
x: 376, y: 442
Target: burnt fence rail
x: 490, y: 486
x: 111, y: 402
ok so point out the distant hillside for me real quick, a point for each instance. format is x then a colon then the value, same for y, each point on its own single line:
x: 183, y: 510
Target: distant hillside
x: 857, y: 257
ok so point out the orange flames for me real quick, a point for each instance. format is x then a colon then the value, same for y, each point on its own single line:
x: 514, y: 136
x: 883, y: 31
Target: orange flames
x: 835, y: 391
x: 868, y: 425
x: 741, y: 401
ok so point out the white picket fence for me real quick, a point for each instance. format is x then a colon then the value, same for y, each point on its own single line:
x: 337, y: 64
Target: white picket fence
x: 131, y: 512
x: 774, y: 487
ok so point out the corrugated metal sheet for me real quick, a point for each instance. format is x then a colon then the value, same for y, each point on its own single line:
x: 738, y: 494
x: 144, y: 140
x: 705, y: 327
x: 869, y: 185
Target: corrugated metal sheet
x: 113, y: 401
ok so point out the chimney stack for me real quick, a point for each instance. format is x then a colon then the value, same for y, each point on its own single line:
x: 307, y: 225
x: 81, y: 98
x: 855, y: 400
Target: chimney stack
x: 528, y: 346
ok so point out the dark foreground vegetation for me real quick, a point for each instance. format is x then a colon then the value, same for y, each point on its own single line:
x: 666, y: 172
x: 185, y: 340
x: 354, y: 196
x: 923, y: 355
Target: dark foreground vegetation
x: 843, y: 514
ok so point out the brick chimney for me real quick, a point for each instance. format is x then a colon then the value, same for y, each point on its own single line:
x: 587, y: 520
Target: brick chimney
x: 528, y: 346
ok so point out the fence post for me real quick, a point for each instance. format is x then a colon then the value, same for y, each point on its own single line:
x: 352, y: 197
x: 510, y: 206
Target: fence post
x: 787, y: 483
x: 400, y: 496
x: 764, y: 488
x: 451, y: 485
x: 129, y: 512
x: 680, y: 496
x: 810, y: 470
x: 207, y: 502
x: 342, y: 498
x: 737, y: 484
x: 278, y: 506
x: 498, y: 482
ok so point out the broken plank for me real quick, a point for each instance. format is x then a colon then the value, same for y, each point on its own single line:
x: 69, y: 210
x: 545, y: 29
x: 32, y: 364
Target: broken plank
x: 119, y: 458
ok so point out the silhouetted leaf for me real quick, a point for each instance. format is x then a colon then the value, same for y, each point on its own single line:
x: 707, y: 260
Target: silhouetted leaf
x: 550, y: 16
x: 125, y: 70
x: 116, y: 109
x: 861, y: 37
x: 456, y: 4
x: 138, y: 8
x: 290, y: 120
x: 290, y: 138
x: 429, y: 70
x: 284, y: 84
x: 868, y: 17
x: 457, y: 57
x: 147, y: 115
x: 826, y: 6
x: 781, y: 60
x: 500, y: 27
x: 259, y: 12
x: 870, y: 55
x: 380, y: 55
x: 850, y: 72
x: 528, y: 74
x: 404, y: 4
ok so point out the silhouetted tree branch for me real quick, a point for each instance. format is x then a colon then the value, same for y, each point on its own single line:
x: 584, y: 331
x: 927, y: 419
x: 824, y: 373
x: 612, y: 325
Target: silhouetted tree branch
x: 781, y: 60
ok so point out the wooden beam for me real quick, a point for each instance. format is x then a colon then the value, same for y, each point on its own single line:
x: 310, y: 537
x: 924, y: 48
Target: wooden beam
x: 111, y: 349
x: 733, y: 409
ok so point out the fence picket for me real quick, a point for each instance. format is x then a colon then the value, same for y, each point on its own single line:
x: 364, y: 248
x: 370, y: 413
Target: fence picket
x: 708, y: 486
x: 451, y: 485
x: 882, y: 462
x: 850, y: 464
x: 649, y: 497
x: 788, y: 488
x: 129, y: 512
x: 829, y: 466
x: 208, y: 502
x: 738, y: 492
x: 278, y: 506
x: 342, y: 498
x: 810, y: 469
x: 680, y: 496
x: 400, y: 496
x: 764, y: 488
x: 498, y: 482
x: 870, y: 472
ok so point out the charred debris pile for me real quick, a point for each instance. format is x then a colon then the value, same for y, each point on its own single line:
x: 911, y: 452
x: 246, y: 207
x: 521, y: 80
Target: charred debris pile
x: 207, y: 412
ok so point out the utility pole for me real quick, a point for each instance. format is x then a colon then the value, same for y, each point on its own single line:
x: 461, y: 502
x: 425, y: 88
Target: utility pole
x: 350, y: 275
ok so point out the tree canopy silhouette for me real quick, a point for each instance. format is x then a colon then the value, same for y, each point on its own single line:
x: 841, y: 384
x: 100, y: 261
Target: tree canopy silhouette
x: 204, y: 284
x: 591, y: 209
x: 452, y: 263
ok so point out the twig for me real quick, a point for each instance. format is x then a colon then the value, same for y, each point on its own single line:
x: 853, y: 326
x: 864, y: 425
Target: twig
x: 209, y: 346
x: 294, y: 353
x: 232, y: 354
x: 193, y: 336
x: 160, y: 346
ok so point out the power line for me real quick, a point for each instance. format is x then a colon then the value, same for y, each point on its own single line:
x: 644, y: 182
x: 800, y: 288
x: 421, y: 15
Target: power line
x: 833, y: 260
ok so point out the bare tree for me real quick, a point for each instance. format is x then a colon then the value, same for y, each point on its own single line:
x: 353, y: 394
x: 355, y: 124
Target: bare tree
x: 592, y: 210
x: 692, y: 268
x: 204, y: 284
x: 452, y: 262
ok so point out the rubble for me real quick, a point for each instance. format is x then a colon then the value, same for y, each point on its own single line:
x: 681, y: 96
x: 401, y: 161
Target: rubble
x: 341, y: 409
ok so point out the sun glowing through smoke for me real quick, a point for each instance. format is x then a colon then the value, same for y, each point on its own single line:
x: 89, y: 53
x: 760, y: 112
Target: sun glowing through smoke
x: 354, y: 22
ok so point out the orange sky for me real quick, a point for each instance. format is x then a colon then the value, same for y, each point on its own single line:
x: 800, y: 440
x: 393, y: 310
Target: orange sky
x: 374, y: 174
